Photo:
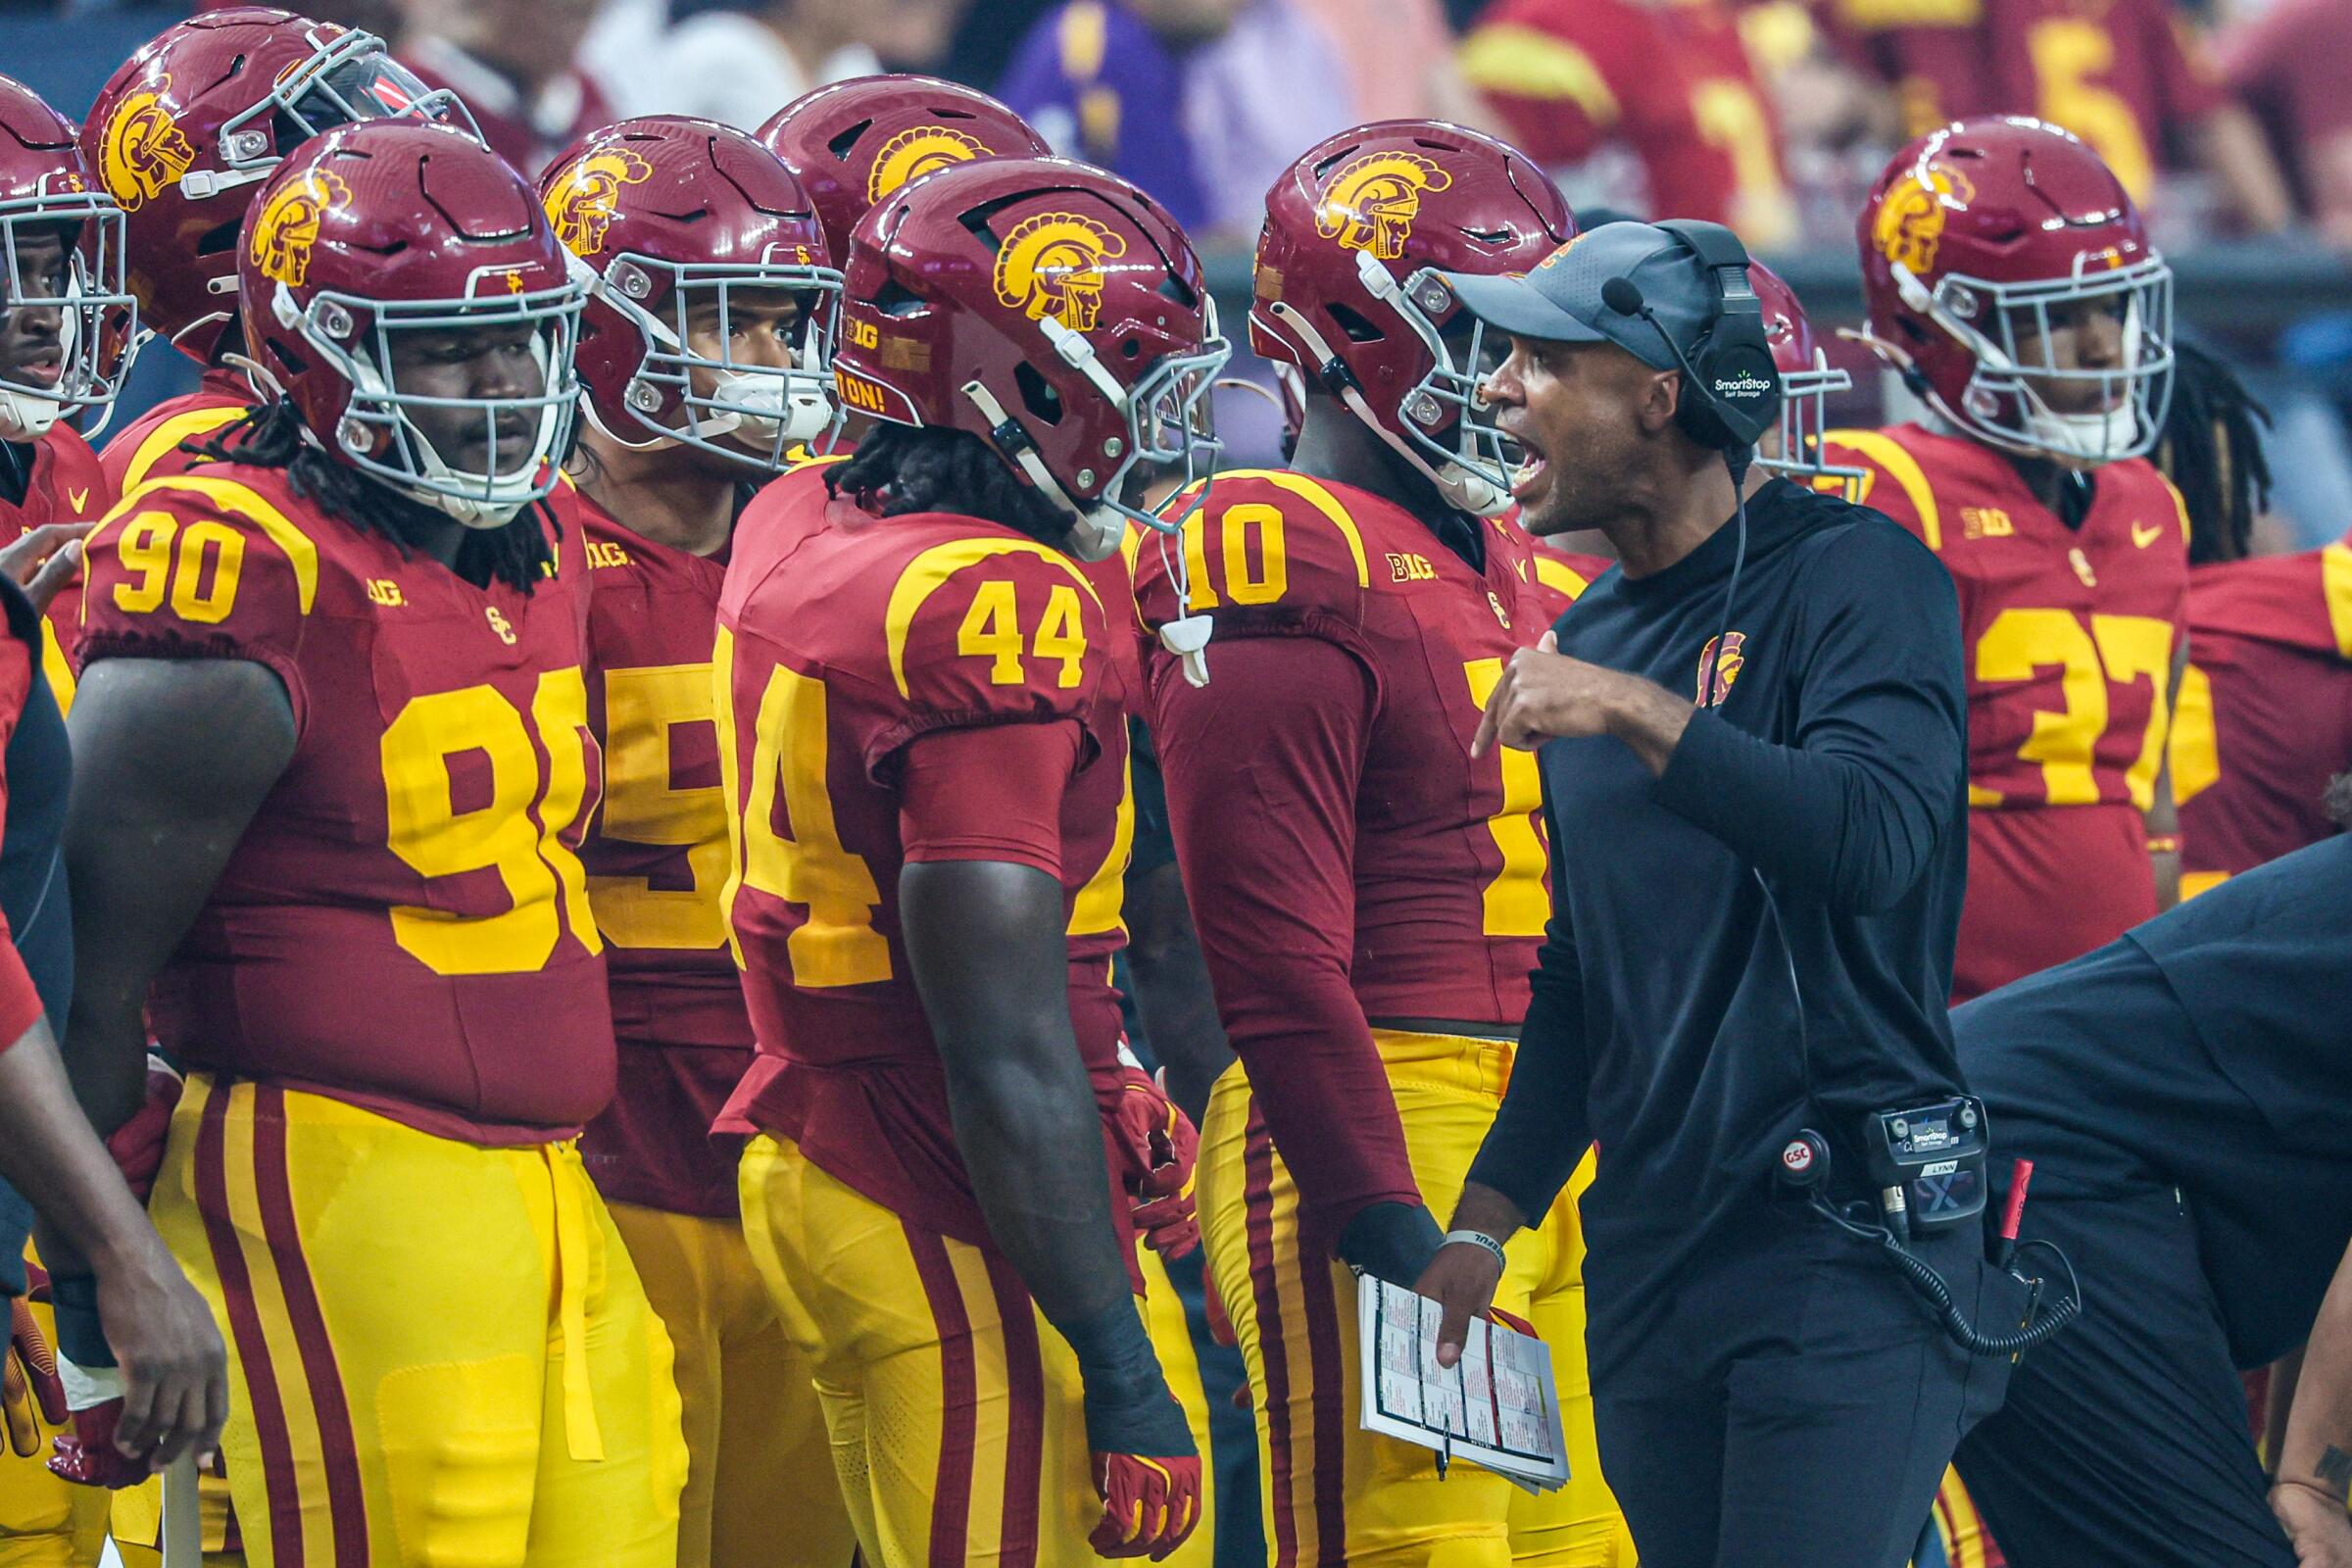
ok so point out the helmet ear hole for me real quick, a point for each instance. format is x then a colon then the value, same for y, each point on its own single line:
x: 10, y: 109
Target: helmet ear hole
x: 839, y: 145
x: 1037, y: 393
x: 219, y: 238
x: 1360, y: 328
x: 289, y: 363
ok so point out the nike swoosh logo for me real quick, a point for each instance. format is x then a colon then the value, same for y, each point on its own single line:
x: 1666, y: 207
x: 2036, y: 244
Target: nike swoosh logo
x: 81, y: 498
x: 2144, y: 534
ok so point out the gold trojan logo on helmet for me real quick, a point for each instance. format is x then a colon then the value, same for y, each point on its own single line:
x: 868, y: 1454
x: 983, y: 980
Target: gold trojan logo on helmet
x: 286, y: 230
x: 1373, y: 201
x: 143, y: 151
x: 1909, y: 227
x: 1052, y: 265
x: 919, y: 152
x: 585, y: 198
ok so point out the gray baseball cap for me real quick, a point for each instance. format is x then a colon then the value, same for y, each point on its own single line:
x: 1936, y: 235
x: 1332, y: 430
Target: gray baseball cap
x: 1561, y: 302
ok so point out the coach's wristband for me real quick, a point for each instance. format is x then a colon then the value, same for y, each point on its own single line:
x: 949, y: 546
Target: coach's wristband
x: 1480, y: 1240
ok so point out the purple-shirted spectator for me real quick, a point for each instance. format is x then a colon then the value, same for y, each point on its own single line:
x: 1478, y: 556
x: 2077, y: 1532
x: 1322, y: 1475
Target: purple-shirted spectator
x: 1200, y: 102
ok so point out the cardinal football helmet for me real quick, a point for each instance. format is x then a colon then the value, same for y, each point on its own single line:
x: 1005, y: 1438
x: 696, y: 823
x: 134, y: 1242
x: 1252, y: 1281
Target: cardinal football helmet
x: 1051, y: 309
x: 1978, y: 242
x: 389, y: 228
x: 44, y: 186
x: 1348, y: 294
x: 669, y: 212
x: 1806, y: 383
x: 853, y: 142
x: 200, y: 115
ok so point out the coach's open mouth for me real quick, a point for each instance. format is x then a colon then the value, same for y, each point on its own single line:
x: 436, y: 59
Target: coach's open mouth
x: 1529, y: 470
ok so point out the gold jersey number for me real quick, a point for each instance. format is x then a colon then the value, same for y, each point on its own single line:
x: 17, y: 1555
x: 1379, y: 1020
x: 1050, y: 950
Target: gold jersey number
x: 2116, y: 650
x: 516, y: 833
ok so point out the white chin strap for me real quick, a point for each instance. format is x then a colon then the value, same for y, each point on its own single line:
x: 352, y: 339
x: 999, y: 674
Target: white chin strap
x: 1460, y: 487
x: 25, y: 414
x: 1096, y: 531
x: 2087, y: 437
x: 764, y: 403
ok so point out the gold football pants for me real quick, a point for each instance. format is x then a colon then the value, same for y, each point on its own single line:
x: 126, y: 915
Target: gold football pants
x: 439, y: 1353
x: 1331, y: 1492
x: 953, y: 1406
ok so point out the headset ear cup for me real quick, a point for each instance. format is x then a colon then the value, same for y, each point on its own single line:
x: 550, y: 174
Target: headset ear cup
x: 1748, y: 389
x: 1697, y: 413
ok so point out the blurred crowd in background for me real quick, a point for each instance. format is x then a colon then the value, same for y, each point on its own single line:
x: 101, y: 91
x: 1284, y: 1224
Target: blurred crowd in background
x: 2229, y: 119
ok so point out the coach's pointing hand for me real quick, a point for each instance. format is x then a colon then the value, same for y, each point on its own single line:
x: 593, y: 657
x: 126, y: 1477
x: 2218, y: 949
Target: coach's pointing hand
x: 1546, y: 695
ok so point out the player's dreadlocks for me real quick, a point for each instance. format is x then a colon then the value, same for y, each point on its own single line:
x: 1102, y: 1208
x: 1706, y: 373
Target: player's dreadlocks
x: 273, y: 436
x: 898, y: 468
x: 2212, y: 452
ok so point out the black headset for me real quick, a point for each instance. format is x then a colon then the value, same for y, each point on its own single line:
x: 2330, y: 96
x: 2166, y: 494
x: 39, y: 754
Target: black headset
x: 1730, y: 388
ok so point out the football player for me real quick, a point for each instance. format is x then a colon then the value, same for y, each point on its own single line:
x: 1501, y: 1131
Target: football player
x: 334, y: 769
x: 705, y: 353
x: 853, y: 144
x: 1569, y: 78
x: 180, y: 136
x: 926, y: 795
x: 61, y: 272
x: 123, y: 1283
x: 2265, y: 714
x: 1364, y: 602
x: 2011, y: 283
x: 61, y: 248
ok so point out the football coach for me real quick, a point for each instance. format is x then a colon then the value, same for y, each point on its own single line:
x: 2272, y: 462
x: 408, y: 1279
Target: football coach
x: 1752, y: 737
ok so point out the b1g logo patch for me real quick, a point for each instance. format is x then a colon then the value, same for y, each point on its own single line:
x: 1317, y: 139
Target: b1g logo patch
x: 919, y: 152
x: 143, y: 151
x: 1373, y: 201
x: 287, y: 228
x: 1051, y: 266
x: 1719, y: 667
x: 585, y: 197
x: 1909, y: 227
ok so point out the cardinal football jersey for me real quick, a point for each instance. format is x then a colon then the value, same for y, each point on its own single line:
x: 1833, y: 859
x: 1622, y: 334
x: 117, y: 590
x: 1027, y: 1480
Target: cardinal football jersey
x: 2265, y: 709
x: 657, y: 859
x: 1562, y: 578
x: 2121, y: 74
x: 65, y: 484
x: 149, y: 448
x: 1569, y: 77
x: 405, y: 925
x: 2070, y: 638
x: 1102, y: 814
x: 843, y: 637
x: 1449, y: 866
